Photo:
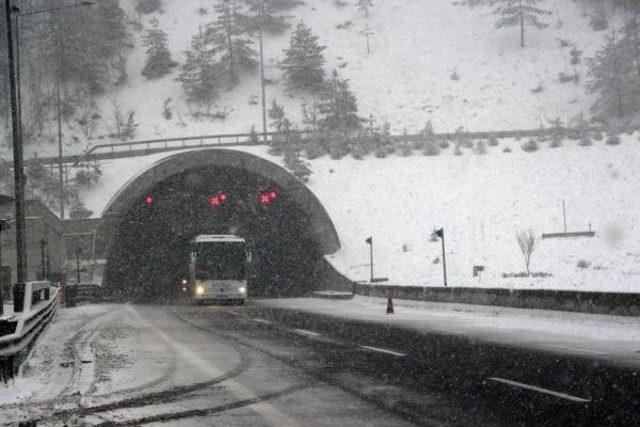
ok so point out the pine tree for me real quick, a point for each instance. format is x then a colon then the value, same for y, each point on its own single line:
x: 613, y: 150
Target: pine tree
x: 292, y: 161
x: 304, y: 62
x: 613, y: 76
x: 363, y: 6
x: 513, y: 13
x: 228, y: 37
x: 159, y: 61
x: 630, y: 42
x: 200, y: 73
x: 267, y: 18
x: 338, y: 107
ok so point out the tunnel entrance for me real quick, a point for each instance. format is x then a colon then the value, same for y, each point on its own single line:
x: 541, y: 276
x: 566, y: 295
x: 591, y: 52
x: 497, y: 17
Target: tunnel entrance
x: 148, y: 257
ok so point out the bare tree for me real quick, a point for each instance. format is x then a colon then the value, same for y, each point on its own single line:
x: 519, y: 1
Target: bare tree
x: 527, y: 242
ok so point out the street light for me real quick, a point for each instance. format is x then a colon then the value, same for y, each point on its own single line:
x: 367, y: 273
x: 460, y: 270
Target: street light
x: 440, y: 234
x: 16, y: 11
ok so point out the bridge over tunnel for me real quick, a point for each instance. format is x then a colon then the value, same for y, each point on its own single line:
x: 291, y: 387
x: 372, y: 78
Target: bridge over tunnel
x: 147, y: 226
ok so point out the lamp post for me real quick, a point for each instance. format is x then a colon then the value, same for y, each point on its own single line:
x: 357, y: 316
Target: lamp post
x: 369, y: 241
x: 440, y: 234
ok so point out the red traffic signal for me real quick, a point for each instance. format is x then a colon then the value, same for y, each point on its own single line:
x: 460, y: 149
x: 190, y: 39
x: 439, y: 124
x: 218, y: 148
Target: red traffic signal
x: 218, y: 199
x: 149, y: 199
x: 267, y: 197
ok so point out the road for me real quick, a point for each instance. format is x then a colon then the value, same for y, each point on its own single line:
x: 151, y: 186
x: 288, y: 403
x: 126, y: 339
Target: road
x: 225, y: 365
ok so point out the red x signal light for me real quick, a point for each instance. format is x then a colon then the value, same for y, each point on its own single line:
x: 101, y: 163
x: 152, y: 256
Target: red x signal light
x: 267, y: 197
x: 218, y: 199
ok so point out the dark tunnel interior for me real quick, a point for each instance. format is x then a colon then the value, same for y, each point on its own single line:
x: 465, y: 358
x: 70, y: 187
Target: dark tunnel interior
x: 149, y: 258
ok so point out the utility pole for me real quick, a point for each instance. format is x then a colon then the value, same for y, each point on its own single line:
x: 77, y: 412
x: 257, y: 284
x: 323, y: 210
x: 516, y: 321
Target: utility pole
x: 264, y: 100
x: 60, y: 171
x: 18, y: 163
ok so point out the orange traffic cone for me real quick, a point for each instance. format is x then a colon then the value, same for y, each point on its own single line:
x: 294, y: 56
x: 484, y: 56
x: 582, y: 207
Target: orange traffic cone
x: 389, y: 302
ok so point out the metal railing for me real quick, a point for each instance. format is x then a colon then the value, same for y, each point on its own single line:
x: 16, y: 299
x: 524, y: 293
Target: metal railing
x: 40, y: 301
x: 117, y: 150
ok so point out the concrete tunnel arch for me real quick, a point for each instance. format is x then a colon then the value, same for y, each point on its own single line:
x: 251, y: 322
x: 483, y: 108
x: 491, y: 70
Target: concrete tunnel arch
x: 320, y: 225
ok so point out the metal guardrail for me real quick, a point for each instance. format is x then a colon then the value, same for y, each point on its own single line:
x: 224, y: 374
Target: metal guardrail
x: 84, y: 292
x: 21, y: 328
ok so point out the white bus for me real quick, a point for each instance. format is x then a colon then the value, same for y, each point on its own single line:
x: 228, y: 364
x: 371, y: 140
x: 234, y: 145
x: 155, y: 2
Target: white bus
x: 218, y: 268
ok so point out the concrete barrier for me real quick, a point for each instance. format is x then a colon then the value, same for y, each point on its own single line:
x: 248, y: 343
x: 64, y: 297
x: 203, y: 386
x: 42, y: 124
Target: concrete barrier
x: 616, y: 303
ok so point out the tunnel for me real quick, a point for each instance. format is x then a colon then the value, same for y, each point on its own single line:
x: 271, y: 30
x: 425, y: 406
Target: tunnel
x: 148, y: 225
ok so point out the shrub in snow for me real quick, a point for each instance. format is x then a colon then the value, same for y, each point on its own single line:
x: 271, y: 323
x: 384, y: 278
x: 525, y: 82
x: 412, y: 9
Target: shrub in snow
x: 530, y: 146
x: 148, y: 6
x: 480, y: 148
x: 444, y: 144
x: 166, y: 109
x: 506, y: 150
x: 406, y: 149
x: 493, y: 141
x: 253, y: 136
x: 382, y: 152
x: 599, y: 21
x: 613, y: 140
x: 527, y: 243
x: 88, y: 176
x: 598, y: 136
x: 457, y: 151
x: 541, y: 274
x: 431, y: 148
x: 565, y: 78
x: 556, y: 140
x: 538, y: 89
x: 454, y: 75
x: 583, y: 264
x: 585, y: 140
x: 344, y: 25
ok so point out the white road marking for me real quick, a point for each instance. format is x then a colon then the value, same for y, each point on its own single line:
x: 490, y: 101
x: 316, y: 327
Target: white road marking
x: 255, y: 319
x: 540, y: 390
x: 566, y: 347
x: 383, y: 350
x: 305, y: 332
x: 235, y: 313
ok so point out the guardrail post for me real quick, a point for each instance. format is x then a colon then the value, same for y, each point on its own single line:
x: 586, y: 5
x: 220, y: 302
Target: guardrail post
x: 18, y: 297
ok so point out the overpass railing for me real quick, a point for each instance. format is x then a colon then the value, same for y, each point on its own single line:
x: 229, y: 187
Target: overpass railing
x: 117, y: 150
x: 34, y: 306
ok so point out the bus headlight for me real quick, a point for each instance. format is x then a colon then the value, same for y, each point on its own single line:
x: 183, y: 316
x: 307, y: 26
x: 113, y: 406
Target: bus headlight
x: 199, y: 290
x: 242, y: 289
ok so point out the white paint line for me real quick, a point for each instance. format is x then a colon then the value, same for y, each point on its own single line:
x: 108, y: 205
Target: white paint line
x: 566, y: 347
x: 383, y: 350
x: 540, y: 390
x: 255, y: 319
x: 305, y: 332
x: 234, y: 313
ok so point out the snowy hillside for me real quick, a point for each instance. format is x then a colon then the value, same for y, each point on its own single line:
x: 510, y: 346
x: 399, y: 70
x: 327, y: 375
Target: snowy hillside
x: 416, y: 49
x: 482, y: 201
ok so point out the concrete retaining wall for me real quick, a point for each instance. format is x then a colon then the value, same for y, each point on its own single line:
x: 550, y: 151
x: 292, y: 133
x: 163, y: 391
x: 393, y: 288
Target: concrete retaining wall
x: 584, y: 302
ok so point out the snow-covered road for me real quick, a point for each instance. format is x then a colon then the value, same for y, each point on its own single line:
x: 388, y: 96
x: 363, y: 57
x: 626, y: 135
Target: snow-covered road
x: 134, y: 365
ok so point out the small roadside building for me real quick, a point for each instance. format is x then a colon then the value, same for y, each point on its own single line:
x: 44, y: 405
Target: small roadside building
x: 45, y: 243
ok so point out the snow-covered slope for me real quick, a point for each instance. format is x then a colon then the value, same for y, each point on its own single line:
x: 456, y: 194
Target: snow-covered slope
x: 482, y: 201
x: 416, y: 47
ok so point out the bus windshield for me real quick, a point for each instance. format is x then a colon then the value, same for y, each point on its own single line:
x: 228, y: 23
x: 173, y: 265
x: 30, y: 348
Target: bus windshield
x: 220, y: 261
